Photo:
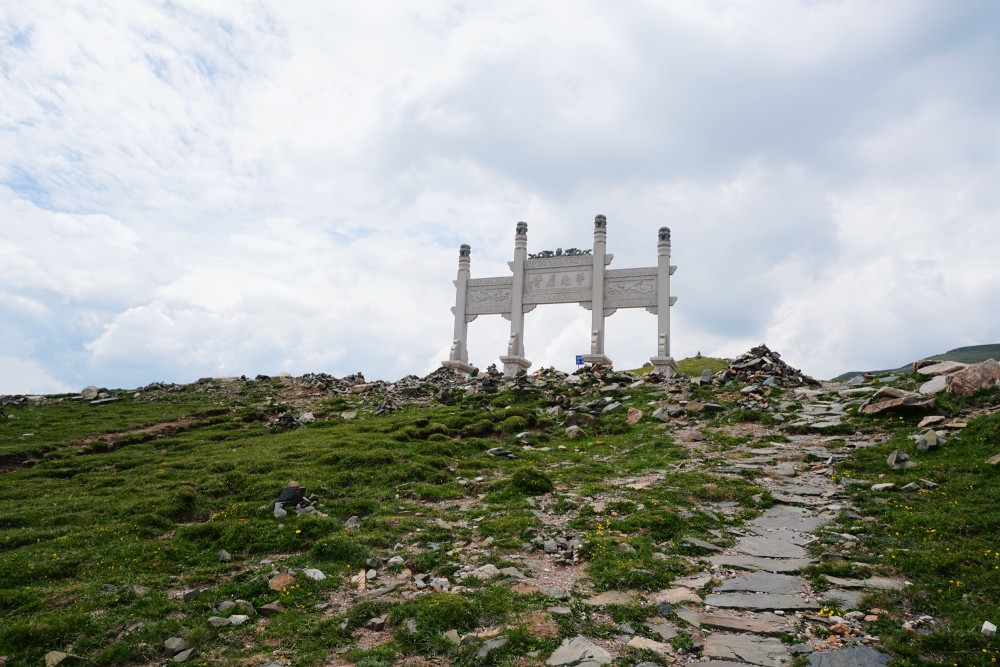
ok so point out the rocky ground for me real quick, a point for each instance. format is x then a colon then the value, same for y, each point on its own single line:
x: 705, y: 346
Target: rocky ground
x: 749, y: 592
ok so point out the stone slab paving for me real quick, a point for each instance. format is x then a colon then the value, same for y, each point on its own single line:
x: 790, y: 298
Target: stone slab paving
x: 765, y: 651
x: 804, y: 490
x: 762, y: 624
x: 757, y: 563
x: 846, y: 599
x: 789, y: 517
x: 769, y: 547
x: 796, y: 537
x: 689, y: 615
x: 855, y: 656
x: 757, y: 601
x: 765, y: 582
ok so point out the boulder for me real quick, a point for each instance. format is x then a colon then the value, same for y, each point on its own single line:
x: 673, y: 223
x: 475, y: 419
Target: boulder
x: 941, y: 368
x: 966, y: 382
x: 891, y: 399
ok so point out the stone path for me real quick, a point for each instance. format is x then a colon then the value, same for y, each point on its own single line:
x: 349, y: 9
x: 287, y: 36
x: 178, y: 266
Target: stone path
x: 755, y: 593
x: 759, y: 595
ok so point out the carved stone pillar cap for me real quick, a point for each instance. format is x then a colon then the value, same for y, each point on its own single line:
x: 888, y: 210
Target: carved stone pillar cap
x: 664, y: 233
x: 464, y: 250
x: 521, y: 229
x: 600, y: 221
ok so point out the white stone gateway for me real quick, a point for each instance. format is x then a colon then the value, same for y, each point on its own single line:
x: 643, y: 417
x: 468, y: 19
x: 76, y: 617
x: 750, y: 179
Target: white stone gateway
x: 571, y: 276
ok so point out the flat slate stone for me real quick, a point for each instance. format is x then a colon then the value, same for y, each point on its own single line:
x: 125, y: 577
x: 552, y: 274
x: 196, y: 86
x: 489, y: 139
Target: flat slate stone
x: 762, y: 624
x: 578, y: 651
x: 689, y: 615
x: 789, y: 499
x: 644, y: 644
x: 855, y: 656
x: 758, y: 563
x: 759, y: 601
x: 788, y: 517
x: 795, y: 537
x: 765, y: 582
x: 677, y: 594
x: 765, y: 651
x: 804, y: 490
x: 769, y: 547
x: 850, y: 599
x: 667, y: 631
x: 609, y: 597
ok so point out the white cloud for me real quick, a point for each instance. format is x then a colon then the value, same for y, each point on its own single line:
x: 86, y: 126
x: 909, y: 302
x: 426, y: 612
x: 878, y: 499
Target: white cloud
x: 21, y: 376
x: 189, y: 190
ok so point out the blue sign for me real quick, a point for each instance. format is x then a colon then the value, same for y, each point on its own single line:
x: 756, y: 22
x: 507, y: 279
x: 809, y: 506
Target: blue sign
x: 579, y: 360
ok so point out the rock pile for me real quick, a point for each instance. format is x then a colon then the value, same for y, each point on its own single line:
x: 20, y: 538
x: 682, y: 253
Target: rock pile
x: 293, y: 497
x: 763, y: 366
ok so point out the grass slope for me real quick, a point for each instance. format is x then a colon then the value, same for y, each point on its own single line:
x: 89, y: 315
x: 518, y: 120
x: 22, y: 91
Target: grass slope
x: 968, y: 355
x: 106, y: 520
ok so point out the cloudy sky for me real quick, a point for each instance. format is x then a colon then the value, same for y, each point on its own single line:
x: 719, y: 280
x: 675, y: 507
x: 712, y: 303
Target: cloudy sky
x: 193, y: 189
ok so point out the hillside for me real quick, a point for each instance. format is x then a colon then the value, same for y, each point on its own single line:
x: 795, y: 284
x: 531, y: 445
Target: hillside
x: 968, y: 355
x: 600, y: 518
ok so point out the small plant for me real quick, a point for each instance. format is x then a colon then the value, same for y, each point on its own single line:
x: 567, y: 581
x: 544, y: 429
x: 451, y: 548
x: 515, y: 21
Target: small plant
x: 531, y: 482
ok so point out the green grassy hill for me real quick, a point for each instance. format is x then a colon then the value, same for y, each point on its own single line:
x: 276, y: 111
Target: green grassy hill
x: 456, y: 522
x: 969, y: 355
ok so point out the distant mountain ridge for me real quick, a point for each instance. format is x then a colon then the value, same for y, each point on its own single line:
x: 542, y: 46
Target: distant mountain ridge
x: 968, y: 355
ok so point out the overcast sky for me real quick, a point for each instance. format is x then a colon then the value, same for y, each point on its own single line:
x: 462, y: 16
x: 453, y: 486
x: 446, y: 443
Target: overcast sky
x: 193, y: 189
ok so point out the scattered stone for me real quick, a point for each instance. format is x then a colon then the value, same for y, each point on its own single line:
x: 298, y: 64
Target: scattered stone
x: 609, y: 597
x: 988, y: 629
x: 271, y: 608
x: 377, y: 624
x: 184, y: 656
x: 579, y: 651
x: 175, y: 645
x: 314, y: 574
x: 89, y: 393
x: 644, y: 644
x: 941, y: 368
x: 217, y: 621
x: 54, y: 658
x: 676, y: 595
x: 575, y: 432
x: 930, y: 420
x: 492, y: 645
x: 899, y: 460
x: 352, y: 524
x: 223, y: 556
x: 634, y: 415
x: 280, y: 581
x: 884, y: 486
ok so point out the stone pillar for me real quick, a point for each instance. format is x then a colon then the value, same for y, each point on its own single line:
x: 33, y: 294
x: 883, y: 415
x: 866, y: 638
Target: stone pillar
x: 514, y: 360
x: 597, y: 355
x: 458, y: 358
x: 663, y: 363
